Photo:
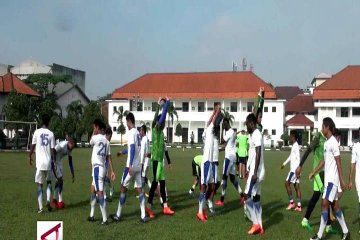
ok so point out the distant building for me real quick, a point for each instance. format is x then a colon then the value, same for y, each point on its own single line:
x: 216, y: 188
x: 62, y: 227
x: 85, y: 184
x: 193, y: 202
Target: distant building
x: 339, y: 98
x: 4, y: 69
x: 287, y: 92
x: 194, y: 96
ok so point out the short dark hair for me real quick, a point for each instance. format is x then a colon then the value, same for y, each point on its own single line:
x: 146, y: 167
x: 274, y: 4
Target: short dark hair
x: 328, y: 122
x: 337, y: 132
x: 130, y: 117
x: 98, y: 123
x: 45, y: 118
x: 251, y: 118
x: 295, y: 134
x: 143, y: 127
x: 108, y: 131
x: 226, y: 120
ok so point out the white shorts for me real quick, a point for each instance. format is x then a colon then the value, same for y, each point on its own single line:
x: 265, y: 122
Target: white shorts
x: 291, y: 178
x: 208, y: 149
x: 330, y: 192
x: 228, y: 167
x: 98, y: 175
x: 206, y: 172
x: 215, y: 155
x: 126, y: 178
x: 252, y: 189
x: 42, y: 175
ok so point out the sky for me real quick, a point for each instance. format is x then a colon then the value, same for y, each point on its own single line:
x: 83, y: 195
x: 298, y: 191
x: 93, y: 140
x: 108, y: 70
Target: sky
x: 115, y: 41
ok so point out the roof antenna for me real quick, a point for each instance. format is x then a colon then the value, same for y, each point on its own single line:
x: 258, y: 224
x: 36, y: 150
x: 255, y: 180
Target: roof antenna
x: 251, y: 67
x: 244, y: 64
x: 234, y: 66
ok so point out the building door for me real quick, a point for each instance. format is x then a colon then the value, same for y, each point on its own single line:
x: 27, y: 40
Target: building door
x: 200, y: 133
x: 185, y: 135
x: 344, y: 137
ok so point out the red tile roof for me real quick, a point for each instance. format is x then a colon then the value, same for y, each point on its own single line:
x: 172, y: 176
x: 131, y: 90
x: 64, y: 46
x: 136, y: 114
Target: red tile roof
x: 10, y: 82
x: 299, y: 120
x: 207, y: 85
x: 300, y: 104
x: 343, y: 85
x: 287, y: 92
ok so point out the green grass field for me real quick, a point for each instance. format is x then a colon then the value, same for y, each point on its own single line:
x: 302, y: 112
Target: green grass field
x: 18, y: 203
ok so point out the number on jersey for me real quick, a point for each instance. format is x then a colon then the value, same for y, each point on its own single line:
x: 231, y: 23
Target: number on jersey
x: 44, y: 139
x: 102, y: 151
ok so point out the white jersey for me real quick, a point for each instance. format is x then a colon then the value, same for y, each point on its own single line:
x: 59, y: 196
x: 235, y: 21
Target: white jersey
x: 355, y: 158
x: 230, y: 138
x: 134, y: 138
x: 145, y: 149
x: 45, y: 141
x: 101, y: 149
x: 256, y: 140
x: 61, y: 151
x: 209, y: 143
x: 331, y: 150
x: 294, y: 157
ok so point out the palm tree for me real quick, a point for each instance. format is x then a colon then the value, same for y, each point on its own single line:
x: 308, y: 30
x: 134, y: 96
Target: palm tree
x: 171, y: 112
x: 121, y: 113
x: 76, y: 108
x: 75, y: 111
x: 229, y: 116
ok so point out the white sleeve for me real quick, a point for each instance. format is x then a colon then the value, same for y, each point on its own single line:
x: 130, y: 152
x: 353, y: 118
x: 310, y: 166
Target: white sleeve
x: 142, y: 150
x: 256, y: 138
x: 297, y: 154
x: 131, y: 139
x: 227, y: 135
x: 108, y: 149
x: 92, y: 141
x: 354, y: 153
x: 336, y: 150
x: 287, y: 160
x: 52, y: 141
x: 59, y: 146
x: 34, y: 138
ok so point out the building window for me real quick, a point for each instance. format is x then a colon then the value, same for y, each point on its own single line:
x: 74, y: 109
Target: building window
x: 273, y: 132
x: 185, y: 106
x: 201, y: 107
x: 265, y: 132
x: 233, y: 107
x: 344, y: 112
x: 114, y: 129
x: 266, y: 109
x: 273, y: 109
x: 356, y: 111
x: 250, y: 106
x: 139, y: 106
x: 355, y: 134
x: 154, y: 106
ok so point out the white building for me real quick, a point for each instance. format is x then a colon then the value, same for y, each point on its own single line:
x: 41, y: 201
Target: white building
x: 194, y: 96
x: 339, y: 98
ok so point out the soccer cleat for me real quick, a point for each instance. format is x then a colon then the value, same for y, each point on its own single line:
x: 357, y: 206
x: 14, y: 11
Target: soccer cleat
x: 315, y: 237
x: 330, y: 230
x: 168, y: 211
x: 54, y: 203
x: 255, y: 228
x: 305, y: 224
x: 298, y: 209
x: 219, y: 203
x: 60, y: 205
x: 190, y: 192
x: 40, y: 211
x: 144, y: 220
x: 115, y: 217
x: 201, y: 217
x: 205, y: 214
x: 48, y: 205
x: 290, y: 206
x: 346, y: 236
x: 262, y: 231
x: 91, y: 219
x: 242, y: 201
x: 149, y: 213
x: 104, y: 223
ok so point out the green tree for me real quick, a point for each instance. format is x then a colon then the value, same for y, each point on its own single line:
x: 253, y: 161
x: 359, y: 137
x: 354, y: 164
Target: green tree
x: 178, y: 130
x: 91, y: 112
x: 73, y: 126
x: 57, y: 126
x: 121, y: 128
x: 171, y: 113
x: 285, y: 138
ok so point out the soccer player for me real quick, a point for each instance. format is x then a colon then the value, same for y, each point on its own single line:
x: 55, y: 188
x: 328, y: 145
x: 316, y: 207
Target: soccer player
x: 229, y: 137
x: 317, y: 175
x: 256, y: 175
x: 196, y: 164
x: 109, y: 170
x: 62, y: 149
x: 294, y: 160
x: 355, y: 167
x: 132, y: 171
x: 101, y: 150
x: 242, y: 143
x: 208, y: 172
x: 44, y: 141
x: 333, y: 179
x: 157, y: 157
x: 145, y: 152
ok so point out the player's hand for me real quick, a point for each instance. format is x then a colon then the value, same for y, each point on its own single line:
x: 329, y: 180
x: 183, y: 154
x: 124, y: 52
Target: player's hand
x: 350, y: 185
x: 254, y: 178
x: 298, y: 172
x: 112, y: 176
x: 282, y: 166
x: 342, y: 185
x: 311, y: 176
x: 30, y: 161
x: 130, y: 170
x: 118, y: 154
x: 73, y: 179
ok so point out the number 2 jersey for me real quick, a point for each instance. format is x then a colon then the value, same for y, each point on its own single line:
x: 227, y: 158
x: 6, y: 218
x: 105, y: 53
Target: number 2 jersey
x: 45, y: 141
x: 101, y: 149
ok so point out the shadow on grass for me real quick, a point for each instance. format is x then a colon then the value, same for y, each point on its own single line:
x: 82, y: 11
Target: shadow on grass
x: 79, y: 204
x: 271, y: 215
